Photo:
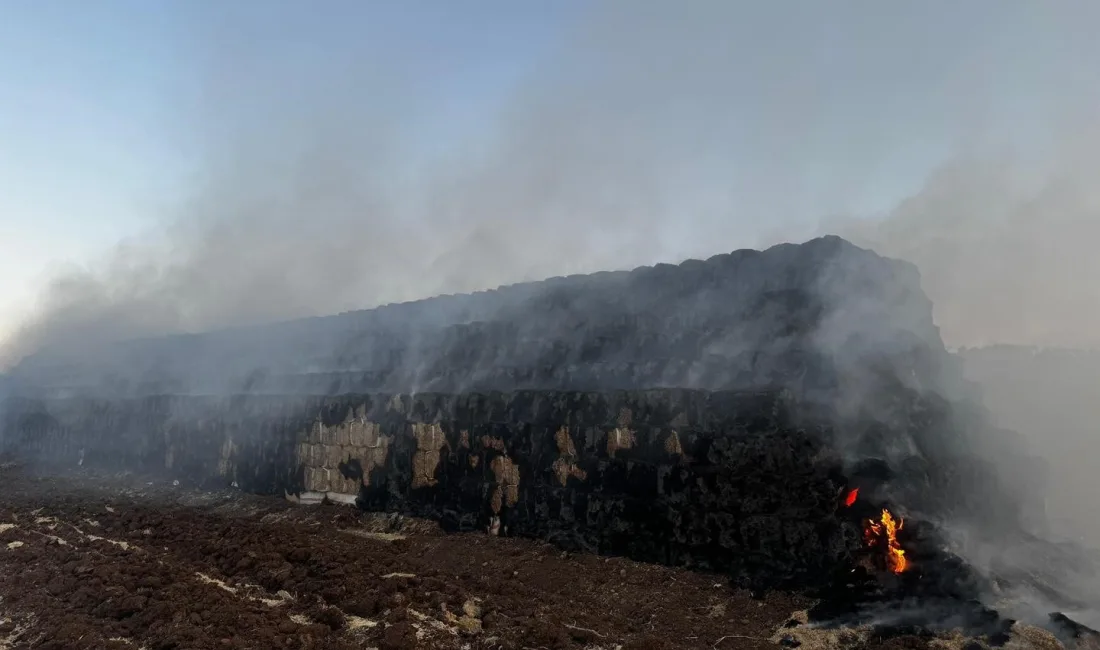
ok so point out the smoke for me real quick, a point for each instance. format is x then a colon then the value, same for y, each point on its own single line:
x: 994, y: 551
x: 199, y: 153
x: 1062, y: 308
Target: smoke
x: 640, y: 131
x: 319, y: 191
x: 1005, y: 248
x: 1006, y: 251
x: 1005, y: 244
x: 339, y: 167
x: 1005, y: 254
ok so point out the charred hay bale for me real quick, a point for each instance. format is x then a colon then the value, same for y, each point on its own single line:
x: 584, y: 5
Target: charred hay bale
x: 707, y: 413
x: 717, y: 481
x: 745, y: 483
x: 731, y: 482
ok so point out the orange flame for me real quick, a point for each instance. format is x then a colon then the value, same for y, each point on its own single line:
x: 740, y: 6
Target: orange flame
x: 851, y: 498
x: 884, y: 533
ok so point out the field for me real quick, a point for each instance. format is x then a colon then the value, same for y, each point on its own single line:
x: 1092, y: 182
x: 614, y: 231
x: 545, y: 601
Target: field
x: 124, y: 562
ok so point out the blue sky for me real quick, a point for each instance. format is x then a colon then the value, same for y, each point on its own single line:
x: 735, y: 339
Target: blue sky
x: 773, y: 113
x: 100, y: 101
x: 97, y: 99
x: 85, y: 121
x: 87, y: 126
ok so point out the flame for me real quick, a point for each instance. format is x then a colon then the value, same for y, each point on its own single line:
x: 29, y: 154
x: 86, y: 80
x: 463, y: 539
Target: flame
x: 851, y: 498
x: 884, y: 533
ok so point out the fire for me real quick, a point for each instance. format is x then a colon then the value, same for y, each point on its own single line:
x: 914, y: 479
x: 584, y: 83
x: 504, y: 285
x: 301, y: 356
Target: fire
x: 851, y: 498
x: 883, y: 533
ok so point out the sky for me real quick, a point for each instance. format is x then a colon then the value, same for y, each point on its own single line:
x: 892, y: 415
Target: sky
x: 101, y: 104
x: 648, y: 130
x: 183, y: 165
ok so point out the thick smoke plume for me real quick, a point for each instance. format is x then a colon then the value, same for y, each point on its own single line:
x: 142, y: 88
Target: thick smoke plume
x: 1005, y: 244
x: 1006, y: 248
x: 645, y: 131
x: 1006, y: 256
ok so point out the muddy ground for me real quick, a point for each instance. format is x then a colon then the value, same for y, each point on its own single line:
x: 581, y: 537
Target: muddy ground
x: 119, y: 562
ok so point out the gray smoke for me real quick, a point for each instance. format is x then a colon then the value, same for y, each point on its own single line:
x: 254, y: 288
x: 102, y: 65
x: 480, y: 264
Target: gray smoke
x: 1006, y: 255
x: 1005, y: 248
x: 651, y: 131
x: 647, y: 131
x: 1005, y: 243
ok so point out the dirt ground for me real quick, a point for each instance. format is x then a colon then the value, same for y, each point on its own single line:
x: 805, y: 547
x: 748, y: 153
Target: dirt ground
x: 118, y: 562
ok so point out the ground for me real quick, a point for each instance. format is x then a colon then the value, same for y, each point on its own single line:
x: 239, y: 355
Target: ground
x: 120, y: 562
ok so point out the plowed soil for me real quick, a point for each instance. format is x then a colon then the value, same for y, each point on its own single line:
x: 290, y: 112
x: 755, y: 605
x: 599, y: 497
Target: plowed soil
x: 119, y: 562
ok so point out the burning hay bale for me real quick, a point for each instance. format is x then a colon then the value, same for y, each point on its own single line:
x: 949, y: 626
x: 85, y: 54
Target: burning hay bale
x: 789, y: 417
x: 882, y: 535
